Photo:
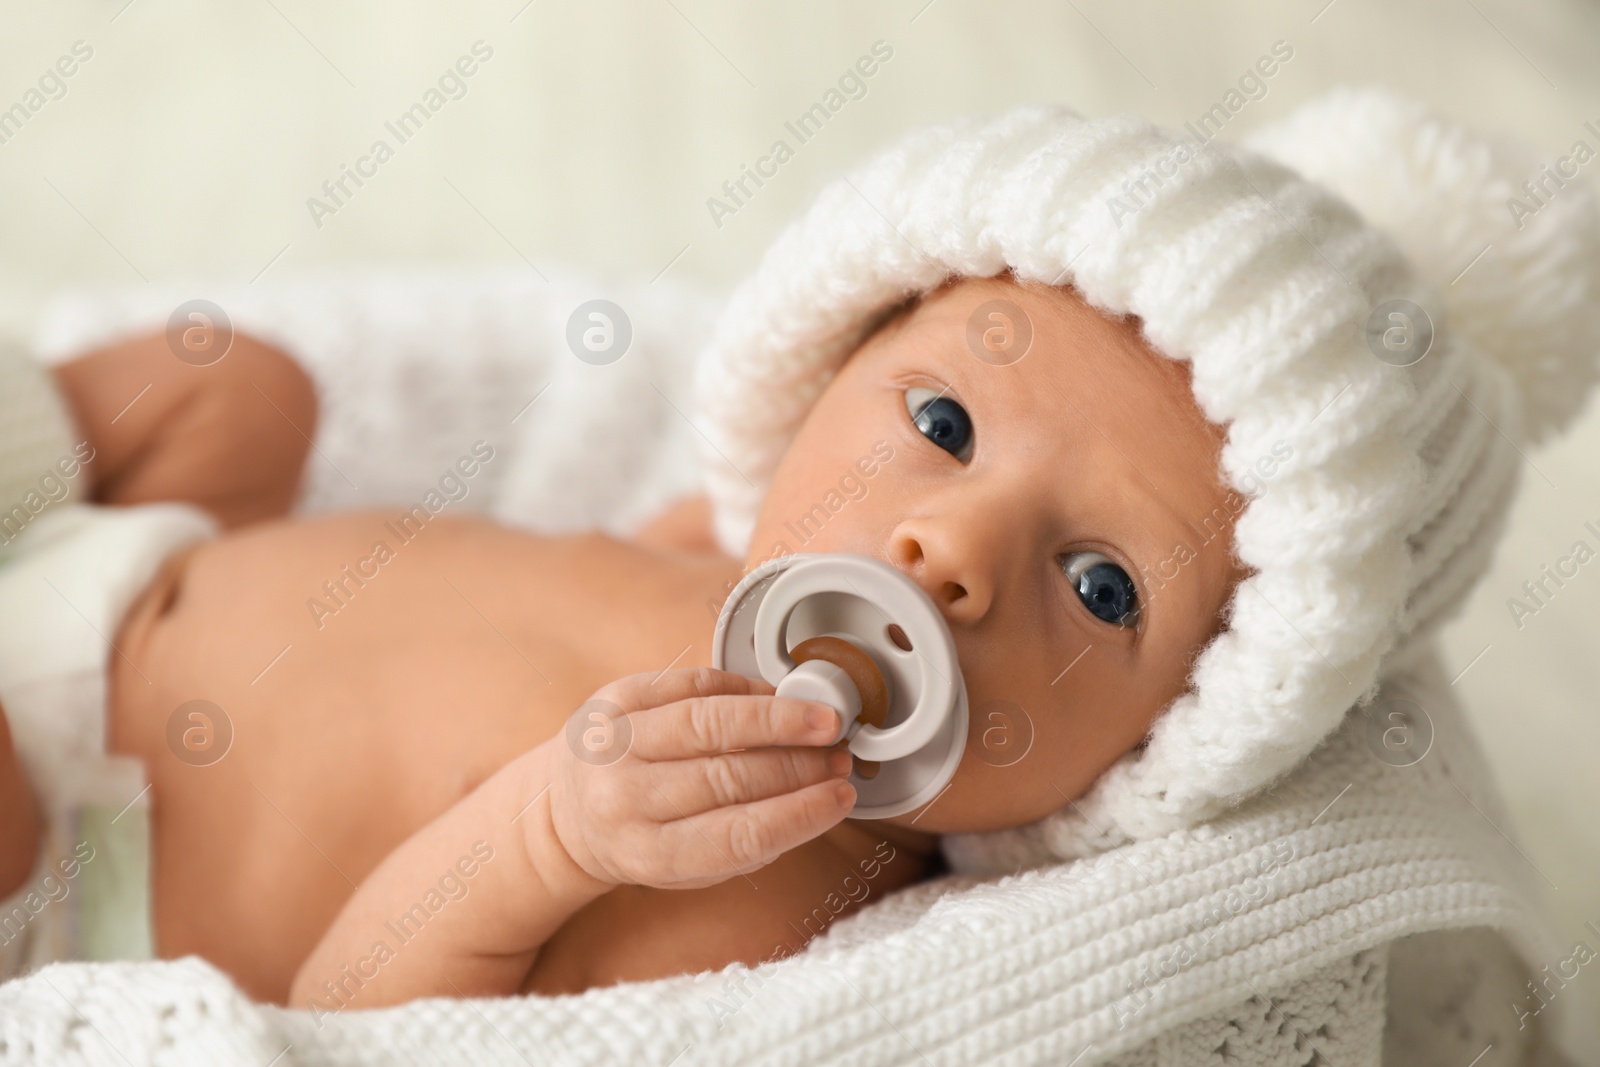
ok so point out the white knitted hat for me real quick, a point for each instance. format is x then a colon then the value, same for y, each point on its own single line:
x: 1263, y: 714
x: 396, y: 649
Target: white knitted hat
x: 1263, y: 278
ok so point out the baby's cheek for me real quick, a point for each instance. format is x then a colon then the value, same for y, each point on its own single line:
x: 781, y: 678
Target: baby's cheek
x: 982, y: 796
x: 1001, y: 734
x: 1035, y: 754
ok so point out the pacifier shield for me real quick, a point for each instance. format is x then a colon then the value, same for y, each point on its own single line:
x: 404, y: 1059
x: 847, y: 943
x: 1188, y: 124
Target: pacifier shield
x: 879, y: 624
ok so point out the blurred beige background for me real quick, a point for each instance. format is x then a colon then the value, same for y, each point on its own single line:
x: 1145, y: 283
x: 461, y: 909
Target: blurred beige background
x: 188, y: 144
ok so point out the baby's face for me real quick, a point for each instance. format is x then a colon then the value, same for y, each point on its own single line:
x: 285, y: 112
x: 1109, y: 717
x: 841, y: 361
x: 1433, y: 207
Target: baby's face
x: 1064, y: 512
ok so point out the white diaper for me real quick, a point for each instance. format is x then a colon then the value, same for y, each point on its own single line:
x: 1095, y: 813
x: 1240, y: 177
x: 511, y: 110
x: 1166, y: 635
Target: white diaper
x: 65, y: 583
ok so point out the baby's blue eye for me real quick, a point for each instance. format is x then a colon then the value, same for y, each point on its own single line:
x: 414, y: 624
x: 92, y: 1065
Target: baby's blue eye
x: 1105, y: 588
x: 942, y: 420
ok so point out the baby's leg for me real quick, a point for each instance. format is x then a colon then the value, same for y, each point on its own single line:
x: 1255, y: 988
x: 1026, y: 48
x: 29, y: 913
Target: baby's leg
x: 231, y: 437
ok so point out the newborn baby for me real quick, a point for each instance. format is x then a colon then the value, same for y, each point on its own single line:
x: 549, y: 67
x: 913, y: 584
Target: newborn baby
x: 420, y: 743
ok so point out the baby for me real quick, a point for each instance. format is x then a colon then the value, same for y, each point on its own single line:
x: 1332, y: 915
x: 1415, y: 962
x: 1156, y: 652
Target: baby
x: 401, y: 814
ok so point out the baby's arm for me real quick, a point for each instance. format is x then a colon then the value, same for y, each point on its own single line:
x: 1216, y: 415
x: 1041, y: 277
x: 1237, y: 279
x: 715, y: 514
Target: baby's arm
x: 19, y: 826
x: 231, y: 437
x: 716, y: 778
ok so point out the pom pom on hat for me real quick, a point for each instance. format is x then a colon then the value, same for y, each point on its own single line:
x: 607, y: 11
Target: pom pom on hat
x: 1266, y: 283
x: 1511, y: 245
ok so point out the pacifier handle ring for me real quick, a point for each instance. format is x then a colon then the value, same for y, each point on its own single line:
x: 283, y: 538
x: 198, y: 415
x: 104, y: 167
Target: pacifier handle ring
x: 902, y: 602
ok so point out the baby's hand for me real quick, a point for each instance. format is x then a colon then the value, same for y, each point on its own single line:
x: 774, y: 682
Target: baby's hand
x: 705, y: 775
x: 231, y: 436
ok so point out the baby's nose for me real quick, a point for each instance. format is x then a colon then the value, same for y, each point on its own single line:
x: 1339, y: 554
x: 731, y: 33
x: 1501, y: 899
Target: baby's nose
x: 952, y: 563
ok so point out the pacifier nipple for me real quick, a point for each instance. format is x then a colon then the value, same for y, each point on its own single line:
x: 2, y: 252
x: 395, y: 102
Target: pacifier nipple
x: 871, y: 691
x: 864, y: 674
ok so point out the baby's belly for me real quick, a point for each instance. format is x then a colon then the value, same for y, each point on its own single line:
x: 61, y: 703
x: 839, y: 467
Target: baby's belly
x: 365, y: 693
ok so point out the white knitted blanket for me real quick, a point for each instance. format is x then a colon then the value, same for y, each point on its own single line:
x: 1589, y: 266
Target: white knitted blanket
x: 1279, y: 934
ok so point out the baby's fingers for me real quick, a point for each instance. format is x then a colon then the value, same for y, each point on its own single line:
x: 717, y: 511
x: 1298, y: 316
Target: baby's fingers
x: 708, y: 726
x: 651, y: 689
x: 716, y: 845
x: 688, y: 787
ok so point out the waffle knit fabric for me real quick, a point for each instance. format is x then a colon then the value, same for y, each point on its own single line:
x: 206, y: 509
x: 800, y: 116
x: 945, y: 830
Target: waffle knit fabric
x: 1261, y: 268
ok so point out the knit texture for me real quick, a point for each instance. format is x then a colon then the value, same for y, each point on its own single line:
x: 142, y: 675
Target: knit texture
x: 1264, y: 283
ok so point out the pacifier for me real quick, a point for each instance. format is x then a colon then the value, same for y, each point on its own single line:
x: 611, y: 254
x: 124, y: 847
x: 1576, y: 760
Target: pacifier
x: 858, y: 635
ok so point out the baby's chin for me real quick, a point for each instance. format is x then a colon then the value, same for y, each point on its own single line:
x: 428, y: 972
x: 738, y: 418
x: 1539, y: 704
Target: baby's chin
x: 923, y: 825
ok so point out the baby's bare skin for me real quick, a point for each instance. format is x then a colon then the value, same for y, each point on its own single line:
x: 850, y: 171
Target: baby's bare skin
x: 471, y: 647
